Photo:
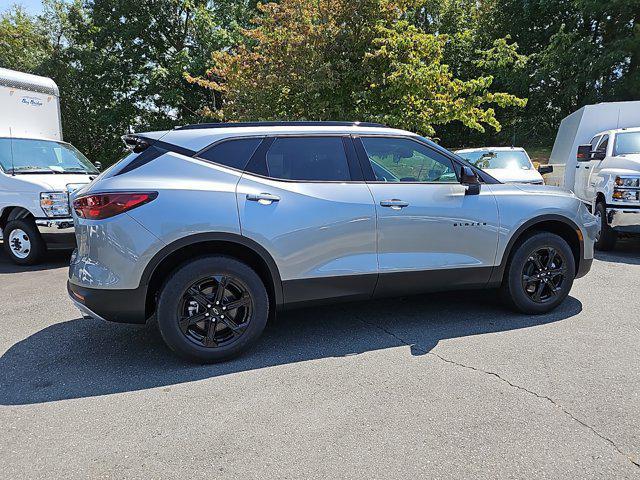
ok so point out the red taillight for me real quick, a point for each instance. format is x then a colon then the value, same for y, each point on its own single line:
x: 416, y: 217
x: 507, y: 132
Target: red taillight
x: 105, y: 205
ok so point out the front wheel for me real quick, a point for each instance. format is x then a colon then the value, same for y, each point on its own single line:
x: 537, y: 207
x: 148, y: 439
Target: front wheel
x: 212, y: 308
x: 23, y: 242
x: 539, y: 274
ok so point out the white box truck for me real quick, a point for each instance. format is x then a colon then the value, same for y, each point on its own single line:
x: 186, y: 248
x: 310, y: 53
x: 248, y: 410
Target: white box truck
x: 597, y: 155
x: 38, y: 170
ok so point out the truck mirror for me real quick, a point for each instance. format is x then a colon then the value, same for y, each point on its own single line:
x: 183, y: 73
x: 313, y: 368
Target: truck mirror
x: 584, y: 153
x: 545, y: 169
x: 98, y: 165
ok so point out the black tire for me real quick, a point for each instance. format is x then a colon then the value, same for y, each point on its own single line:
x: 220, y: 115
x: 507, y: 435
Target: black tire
x: 15, y: 247
x: 522, y: 274
x: 608, y: 236
x: 185, y: 341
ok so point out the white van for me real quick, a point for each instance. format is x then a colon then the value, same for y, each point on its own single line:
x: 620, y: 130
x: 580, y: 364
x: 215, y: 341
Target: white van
x: 38, y: 171
x: 599, y: 147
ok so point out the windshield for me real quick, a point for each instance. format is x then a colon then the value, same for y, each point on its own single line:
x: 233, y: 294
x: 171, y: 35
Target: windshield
x: 20, y: 155
x: 503, y: 159
x: 627, y: 143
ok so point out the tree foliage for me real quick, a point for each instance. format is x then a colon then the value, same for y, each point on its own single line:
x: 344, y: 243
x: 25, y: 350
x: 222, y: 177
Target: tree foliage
x: 337, y: 59
x: 456, y: 69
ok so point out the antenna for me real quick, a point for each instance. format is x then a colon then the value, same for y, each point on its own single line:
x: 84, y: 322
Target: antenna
x: 13, y: 167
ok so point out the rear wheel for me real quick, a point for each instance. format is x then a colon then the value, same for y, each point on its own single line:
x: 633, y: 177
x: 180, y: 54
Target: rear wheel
x: 23, y: 242
x: 607, y: 237
x: 539, y: 274
x: 212, y: 308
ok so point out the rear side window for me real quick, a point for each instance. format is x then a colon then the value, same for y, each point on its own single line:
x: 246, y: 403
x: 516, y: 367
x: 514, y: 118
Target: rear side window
x: 234, y: 153
x: 320, y: 159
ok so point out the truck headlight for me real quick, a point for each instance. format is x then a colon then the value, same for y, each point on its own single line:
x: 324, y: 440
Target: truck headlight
x: 55, y: 204
x: 626, y: 189
x: 628, y: 182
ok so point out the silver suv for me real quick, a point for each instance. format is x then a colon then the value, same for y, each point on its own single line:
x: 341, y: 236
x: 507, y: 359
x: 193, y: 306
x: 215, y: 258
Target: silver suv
x: 214, y: 228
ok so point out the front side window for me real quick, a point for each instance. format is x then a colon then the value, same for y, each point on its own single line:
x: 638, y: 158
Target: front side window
x: 603, y: 144
x: 498, y: 159
x: 20, y: 155
x: 403, y: 160
x: 234, y: 153
x: 318, y: 159
x: 627, y: 143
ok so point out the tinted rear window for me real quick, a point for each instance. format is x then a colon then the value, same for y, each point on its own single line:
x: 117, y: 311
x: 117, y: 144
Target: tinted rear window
x: 308, y: 158
x: 232, y: 153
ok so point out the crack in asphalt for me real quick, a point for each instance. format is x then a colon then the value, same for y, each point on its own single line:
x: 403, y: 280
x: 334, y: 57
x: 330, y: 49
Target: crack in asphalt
x: 508, y: 382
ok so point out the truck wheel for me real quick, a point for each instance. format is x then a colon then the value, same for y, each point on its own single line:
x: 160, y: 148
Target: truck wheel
x: 607, y: 237
x: 212, y: 308
x: 539, y: 274
x: 23, y: 242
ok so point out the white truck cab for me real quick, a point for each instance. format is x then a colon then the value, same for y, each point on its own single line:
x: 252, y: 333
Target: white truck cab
x: 38, y: 171
x: 607, y: 178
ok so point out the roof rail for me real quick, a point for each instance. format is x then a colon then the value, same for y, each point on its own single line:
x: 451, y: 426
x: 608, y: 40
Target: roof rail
x: 301, y: 123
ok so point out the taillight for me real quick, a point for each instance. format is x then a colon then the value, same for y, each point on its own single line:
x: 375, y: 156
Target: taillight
x: 105, y: 205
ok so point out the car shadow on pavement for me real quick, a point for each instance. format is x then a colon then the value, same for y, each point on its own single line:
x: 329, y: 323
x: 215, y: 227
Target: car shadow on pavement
x: 55, y: 259
x: 84, y: 358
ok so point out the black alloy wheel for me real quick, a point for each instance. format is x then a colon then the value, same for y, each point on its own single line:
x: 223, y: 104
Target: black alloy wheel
x: 212, y: 308
x: 215, y: 311
x: 543, y: 274
x: 539, y: 273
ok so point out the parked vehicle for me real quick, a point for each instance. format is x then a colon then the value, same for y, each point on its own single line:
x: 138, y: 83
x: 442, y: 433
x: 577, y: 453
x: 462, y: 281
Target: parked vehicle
x: 600, y: 148
x: 37, y: 169
x: 507, y: 164
x: 212, y: 228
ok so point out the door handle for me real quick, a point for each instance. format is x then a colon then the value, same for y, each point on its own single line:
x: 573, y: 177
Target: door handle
x: 394, y: 204
x: 263, y: 198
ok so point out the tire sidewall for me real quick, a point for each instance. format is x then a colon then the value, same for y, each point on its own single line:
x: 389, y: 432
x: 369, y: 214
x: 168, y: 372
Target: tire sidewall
x: 37, y: 244
x: 171, y: 295
x: 516, y: 292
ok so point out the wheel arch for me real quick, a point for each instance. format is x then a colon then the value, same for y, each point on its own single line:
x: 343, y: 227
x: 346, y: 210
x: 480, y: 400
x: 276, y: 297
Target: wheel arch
x: 12, y: 213
x: 558, y: 224
x: 229, y: 244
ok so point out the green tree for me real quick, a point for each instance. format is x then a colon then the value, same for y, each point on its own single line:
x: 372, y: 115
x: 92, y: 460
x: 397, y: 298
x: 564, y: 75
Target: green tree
x: 336, y: 59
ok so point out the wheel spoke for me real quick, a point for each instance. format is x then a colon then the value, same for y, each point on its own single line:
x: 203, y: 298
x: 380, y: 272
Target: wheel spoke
x: 233, y: 326
x: 535, y: 258
x: 537, y: 296
x: 551, y: 257
x: 188, y: 320
x: 209, y: 340
x: 222, y: 285
x: 241, y: 302
x: 199, y: 297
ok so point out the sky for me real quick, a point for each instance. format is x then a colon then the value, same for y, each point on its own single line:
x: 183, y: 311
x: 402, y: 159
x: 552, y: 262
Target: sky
x: 31, y: 6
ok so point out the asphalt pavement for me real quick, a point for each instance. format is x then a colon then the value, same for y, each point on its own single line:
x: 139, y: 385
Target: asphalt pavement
x: 436, y: 386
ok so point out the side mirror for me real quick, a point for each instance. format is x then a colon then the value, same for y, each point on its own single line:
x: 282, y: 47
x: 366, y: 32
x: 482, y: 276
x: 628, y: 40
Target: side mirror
x: 544, y: 169
x: 469, y: 178
x: 584, y: 153
x: 98, y: 165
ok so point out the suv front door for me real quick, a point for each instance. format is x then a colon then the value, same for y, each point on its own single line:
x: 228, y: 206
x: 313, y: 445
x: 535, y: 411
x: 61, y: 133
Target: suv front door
x: 430, y: 233
x: 303, y: 198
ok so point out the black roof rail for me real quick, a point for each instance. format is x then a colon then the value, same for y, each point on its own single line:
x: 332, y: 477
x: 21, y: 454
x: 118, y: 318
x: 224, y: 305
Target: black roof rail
x: 301, y: 123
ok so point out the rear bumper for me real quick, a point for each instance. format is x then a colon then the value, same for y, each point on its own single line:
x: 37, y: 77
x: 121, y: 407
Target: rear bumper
x: 122, y: 306
x: 57, y: 233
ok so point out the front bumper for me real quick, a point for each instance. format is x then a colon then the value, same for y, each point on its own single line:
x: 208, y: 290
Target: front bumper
x: 57, y: 233
x: 624, y: 218
x: 122, y: 306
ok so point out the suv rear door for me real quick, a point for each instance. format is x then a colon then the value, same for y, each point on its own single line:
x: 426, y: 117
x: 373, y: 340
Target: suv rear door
x: 303, y: 198
x: 430, y: 233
